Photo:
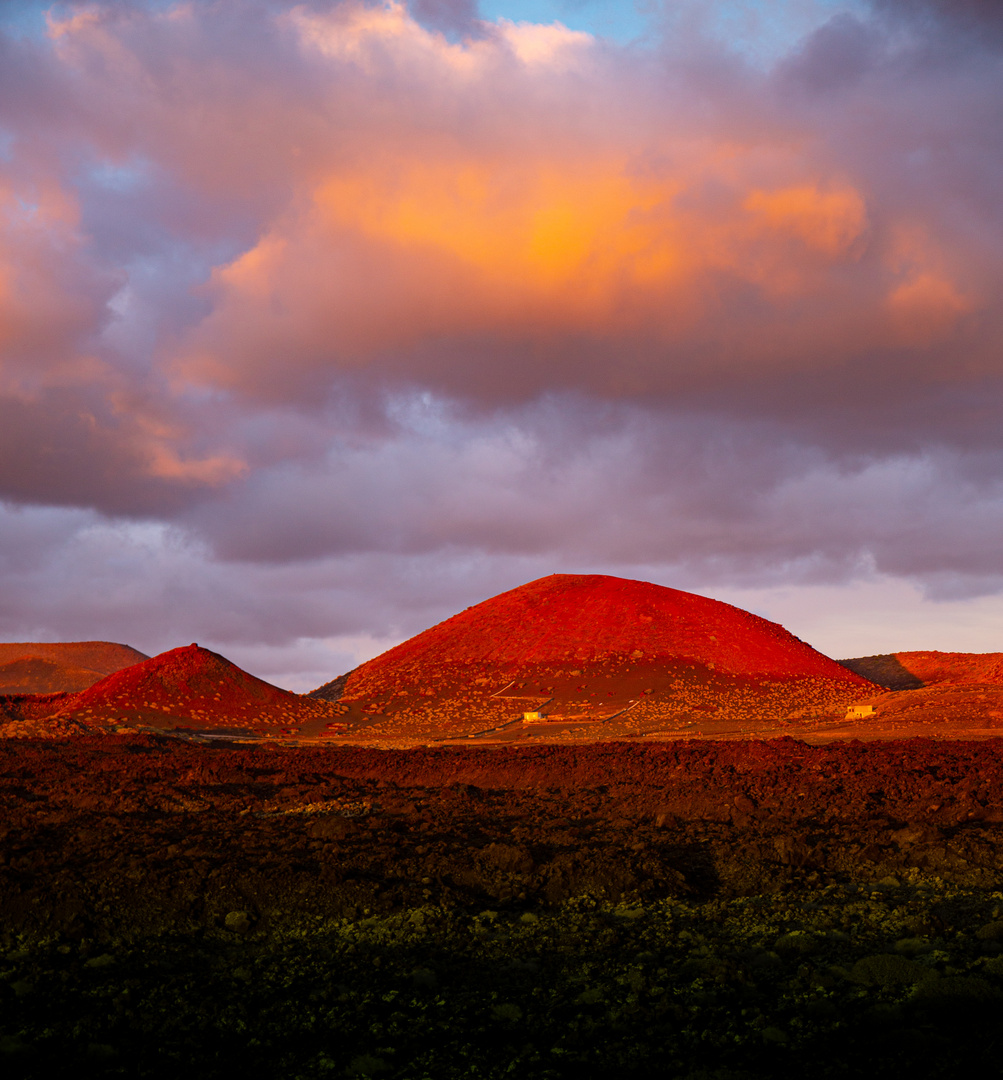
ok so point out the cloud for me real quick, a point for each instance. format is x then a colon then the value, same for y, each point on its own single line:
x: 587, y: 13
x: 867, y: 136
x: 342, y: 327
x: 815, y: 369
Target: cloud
x: 455, y: 16
x: 949, y: 22
x: 310, y: 291
x: 609, y: 244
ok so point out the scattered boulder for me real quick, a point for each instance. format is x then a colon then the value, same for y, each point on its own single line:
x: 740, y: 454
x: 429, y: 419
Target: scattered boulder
x: 237, y: 922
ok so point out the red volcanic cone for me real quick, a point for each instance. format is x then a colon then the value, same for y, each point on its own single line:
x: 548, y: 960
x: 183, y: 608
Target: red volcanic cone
x: 588, y: 618
x: 193, y: 687
x: 622, y: 656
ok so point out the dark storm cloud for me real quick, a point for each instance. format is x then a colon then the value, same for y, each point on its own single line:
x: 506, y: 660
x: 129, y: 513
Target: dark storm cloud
x: 973, y: 22
x: 642, y: 488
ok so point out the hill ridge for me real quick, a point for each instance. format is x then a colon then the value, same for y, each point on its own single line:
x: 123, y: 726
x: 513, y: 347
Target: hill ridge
x: 928, y: 667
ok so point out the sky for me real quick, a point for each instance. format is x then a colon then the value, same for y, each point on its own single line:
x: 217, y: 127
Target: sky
x: 320, y: 322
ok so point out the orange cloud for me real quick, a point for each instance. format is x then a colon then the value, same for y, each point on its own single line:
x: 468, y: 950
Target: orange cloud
x: 567, y: 232
x: 166, y: 463
x: 401, y: 247
x: 925, y: 309
x: 526, y: 193
x: 828, y: 221
x: 923, y: 303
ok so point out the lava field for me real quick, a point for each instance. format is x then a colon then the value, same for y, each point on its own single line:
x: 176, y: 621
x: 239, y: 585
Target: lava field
x: 687, y: 910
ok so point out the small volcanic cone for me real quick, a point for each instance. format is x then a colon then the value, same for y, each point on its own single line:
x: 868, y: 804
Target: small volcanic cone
x: 586, y: 648
x: 190, y: 688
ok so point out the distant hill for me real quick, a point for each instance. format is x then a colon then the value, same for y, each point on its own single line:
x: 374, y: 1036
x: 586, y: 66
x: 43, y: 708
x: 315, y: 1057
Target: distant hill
x: 912, y: 670
x: 582, y: 649
x: 945, y: 694
x: 35, y: 667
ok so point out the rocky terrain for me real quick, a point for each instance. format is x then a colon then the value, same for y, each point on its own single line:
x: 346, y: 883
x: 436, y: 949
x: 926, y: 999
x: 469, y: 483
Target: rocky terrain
x: 695, y: 909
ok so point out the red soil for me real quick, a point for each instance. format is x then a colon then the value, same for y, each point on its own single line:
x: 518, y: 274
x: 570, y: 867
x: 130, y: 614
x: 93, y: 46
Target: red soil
x: 188, y: 687
x: 32, y: 675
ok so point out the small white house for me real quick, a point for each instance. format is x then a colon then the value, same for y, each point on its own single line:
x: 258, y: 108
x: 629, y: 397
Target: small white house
x: 858, y: 712
x: 529, y: 717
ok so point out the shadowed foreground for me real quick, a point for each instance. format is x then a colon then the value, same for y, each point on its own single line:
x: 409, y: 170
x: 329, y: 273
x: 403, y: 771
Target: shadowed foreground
x: 719, y: 910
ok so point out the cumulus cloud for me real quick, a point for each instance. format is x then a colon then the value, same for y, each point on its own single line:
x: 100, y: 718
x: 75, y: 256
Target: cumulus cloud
x: 340, y: 292
x: 611, y: 243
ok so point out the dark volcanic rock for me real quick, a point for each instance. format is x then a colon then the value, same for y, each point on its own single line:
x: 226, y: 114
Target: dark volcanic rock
x: 738, y: 910
x: 689, y: 909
